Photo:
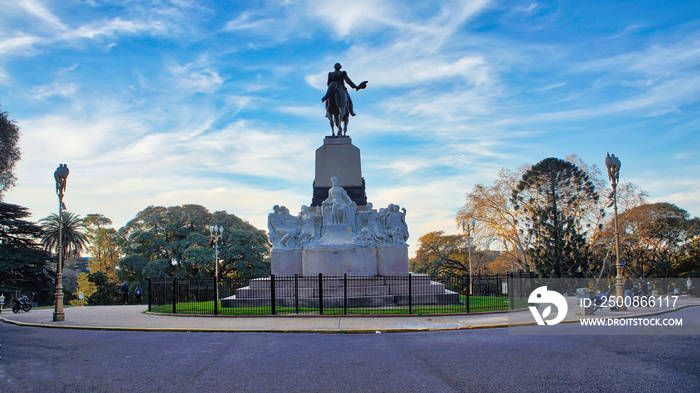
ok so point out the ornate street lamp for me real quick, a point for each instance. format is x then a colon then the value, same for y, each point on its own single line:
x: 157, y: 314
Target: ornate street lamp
x: 468, y: 230
x: 60, y: 175
x: 613, y: 164
x: 215, y: 233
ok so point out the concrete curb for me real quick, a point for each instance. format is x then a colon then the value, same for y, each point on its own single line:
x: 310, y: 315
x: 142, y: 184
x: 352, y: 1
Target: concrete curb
x: 333, y: 315
x: 321, y: 331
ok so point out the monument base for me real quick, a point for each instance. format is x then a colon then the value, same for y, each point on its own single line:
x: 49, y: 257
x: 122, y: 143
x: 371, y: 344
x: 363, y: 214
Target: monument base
x: 333, y: 261
x: 286, y: 262
x: 392, y: 260
x: 339, y: 260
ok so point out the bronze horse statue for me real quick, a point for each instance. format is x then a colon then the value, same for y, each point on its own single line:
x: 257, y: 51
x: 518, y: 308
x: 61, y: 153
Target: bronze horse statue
x: 338, y: 102
x: 337, y: 109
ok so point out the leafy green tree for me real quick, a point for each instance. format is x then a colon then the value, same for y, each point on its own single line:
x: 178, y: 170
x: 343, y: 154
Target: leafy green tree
x: 160, y: 235
x: 245, y: 253
x: 131, y: 268
x: 554, y: 194
x: 9, y: 152
x: 72, y: 229
x: 145, y: 235
x: 24, y: 265
x: 106, y: 291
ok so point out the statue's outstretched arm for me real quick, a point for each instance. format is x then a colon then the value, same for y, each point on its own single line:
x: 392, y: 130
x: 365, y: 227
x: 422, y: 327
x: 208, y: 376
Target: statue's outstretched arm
x: 347, y: 79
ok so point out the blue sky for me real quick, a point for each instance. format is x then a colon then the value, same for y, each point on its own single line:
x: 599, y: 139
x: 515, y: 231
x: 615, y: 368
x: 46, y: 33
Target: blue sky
x: 218, y: 103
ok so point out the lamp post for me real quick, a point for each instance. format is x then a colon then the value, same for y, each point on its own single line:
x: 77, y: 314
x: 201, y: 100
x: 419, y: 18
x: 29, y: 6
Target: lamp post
x: 60, y: 175
x: 468, y: 230
x: 215, y: 233
x: 613, y: 164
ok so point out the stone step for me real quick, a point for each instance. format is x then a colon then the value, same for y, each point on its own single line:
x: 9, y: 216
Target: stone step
x: 311, y: 292
x: 335, y: 281
x: 418, y: 289
x: 356, y: 301
x: 448, y: 297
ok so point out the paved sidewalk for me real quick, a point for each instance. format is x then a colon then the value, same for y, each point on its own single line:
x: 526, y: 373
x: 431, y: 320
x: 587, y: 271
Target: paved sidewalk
x: 133, y: 318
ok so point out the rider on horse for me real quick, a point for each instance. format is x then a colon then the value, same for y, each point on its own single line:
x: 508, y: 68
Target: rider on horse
x: 339, y: 77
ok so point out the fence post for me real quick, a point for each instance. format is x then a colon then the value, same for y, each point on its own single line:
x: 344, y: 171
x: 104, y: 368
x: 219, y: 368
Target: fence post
x: 410, y: 295
x: 345, y: 294
x: 296, y: 293
x: 320, y: 293
x: 272, y: 294
x: 216, y: 300
x: 520, y: 285
x: 511, y: 294
x: 466, y: 291
x: 174, y: 295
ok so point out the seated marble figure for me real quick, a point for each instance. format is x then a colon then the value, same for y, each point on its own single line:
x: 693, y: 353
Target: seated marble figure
x: 338, y: 208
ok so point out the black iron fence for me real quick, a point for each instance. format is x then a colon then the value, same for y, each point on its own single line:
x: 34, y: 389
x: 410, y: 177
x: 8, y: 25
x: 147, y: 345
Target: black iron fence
x: 336, y: 295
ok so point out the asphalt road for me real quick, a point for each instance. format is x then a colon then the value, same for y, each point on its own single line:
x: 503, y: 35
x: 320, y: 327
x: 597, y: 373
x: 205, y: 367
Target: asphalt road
x: 56, y: 360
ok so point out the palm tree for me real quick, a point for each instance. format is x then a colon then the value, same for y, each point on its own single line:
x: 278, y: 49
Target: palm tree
x: 74, y: 238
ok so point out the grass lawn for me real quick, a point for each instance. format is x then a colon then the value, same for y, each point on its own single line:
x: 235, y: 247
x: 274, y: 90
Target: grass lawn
x: 476, y: 304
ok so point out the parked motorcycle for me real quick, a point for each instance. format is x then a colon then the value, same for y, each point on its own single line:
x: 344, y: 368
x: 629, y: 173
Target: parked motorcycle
x: 23, y: 303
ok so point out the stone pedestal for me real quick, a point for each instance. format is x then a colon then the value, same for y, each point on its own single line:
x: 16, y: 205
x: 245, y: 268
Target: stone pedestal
x: 286, y: 262
x: 392, y: 260
x: 339, y: 261
x: 339, y: 157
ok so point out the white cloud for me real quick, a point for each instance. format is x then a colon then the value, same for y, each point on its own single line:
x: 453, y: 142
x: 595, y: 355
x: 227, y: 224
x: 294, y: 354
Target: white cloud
x: 197, y: 76
x: 346, y: 17
x: 36, y: 9
x: 681, y: 191
x: 660, y: 99
x: 55, y: 89
x: 658, y: 60
x: 21, y: 45
x: 108, y: 28
x: 248, y: 20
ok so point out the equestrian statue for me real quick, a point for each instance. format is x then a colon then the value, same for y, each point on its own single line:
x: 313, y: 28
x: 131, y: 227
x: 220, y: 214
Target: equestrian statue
x: 338, y: 103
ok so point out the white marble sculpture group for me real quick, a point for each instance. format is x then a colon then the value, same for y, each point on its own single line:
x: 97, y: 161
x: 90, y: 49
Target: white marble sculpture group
x: 338, y: 224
